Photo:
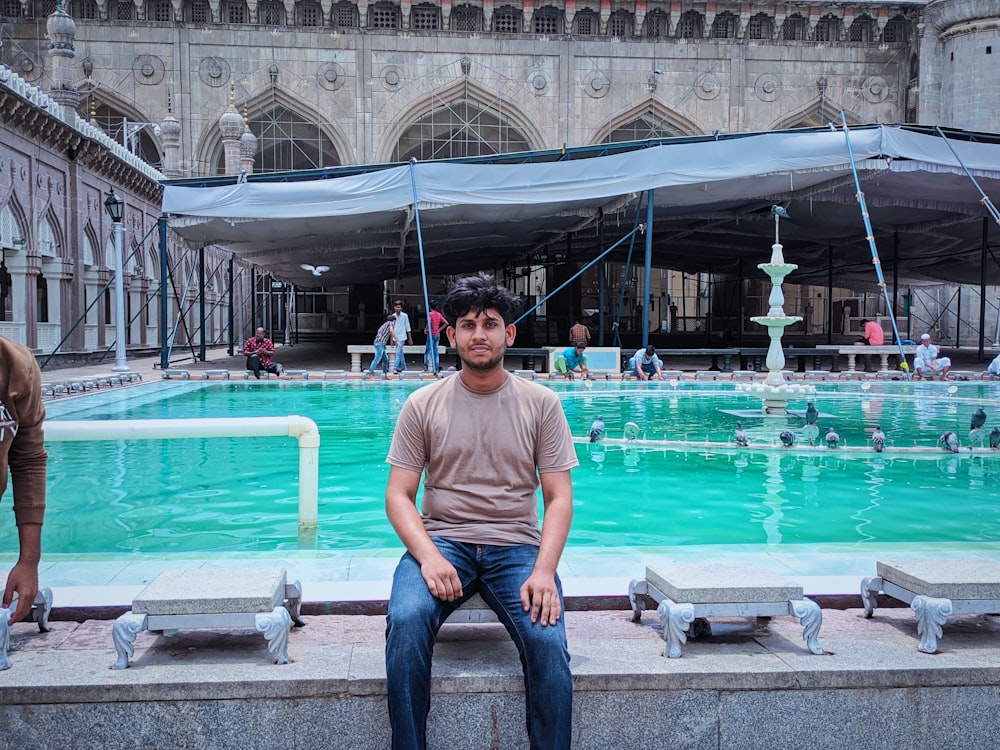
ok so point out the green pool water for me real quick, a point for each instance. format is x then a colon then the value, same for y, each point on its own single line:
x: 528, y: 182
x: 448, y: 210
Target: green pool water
x: 241, y: 495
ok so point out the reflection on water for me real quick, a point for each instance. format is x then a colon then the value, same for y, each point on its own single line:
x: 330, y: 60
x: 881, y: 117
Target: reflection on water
x: 226, y: 495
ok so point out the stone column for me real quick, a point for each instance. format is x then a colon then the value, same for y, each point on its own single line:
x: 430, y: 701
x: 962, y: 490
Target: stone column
x: 231, y: 125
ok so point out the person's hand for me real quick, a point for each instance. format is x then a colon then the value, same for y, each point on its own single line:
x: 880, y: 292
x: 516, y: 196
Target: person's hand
x: 23, y: 580
x: 441, y: 579
x: 540, y: 596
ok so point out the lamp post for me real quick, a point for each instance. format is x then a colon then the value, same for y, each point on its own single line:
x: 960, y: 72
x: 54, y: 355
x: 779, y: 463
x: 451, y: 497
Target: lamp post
x: 116, y: 207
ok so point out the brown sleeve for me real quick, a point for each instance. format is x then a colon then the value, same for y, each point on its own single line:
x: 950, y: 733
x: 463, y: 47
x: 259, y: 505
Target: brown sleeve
x: 27, y: 457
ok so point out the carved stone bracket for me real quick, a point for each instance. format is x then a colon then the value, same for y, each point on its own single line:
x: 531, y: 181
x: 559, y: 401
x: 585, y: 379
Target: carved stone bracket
x: 931, y: 615
x: 675, y: 619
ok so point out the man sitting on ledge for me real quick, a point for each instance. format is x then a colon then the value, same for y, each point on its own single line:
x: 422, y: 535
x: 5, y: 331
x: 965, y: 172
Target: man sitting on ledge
x: 926, y: 360
x: 571, y: 360
x: 646, y: 364
x: 259, y: 349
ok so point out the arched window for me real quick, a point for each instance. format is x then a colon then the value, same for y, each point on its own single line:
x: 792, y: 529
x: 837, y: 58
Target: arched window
x: 862, y: 30
x: 383, y: 15
x: 45, y: 8
x: 159, y: 11
x: 47, y: 241
x: 647, y: 126
x: 896, y: 31
x: 115, y: 123
x: 507, y: 20
x: 308, y: 13
x: 547, y: 20
x: 828, y: 29
x: 459, y: 128
x: 621, y: 24
x: 466, y: 18
x: 271, y: 14
x: 724, y: 26
x: 586, y: 23
x: 287, y: 141
x: 345, y: 15
x: 761, y: 26
x: 691, y: 25
x: 235, y: 11
x: 198, y: 12
x: 425, y: 17
x: 793, y: 29
x: 656, y: 25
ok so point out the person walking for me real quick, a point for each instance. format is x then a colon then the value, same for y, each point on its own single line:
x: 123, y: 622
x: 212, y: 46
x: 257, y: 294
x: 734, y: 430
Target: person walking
x: 404, y: 336
x: 385, y: 336
x: 484, y: 441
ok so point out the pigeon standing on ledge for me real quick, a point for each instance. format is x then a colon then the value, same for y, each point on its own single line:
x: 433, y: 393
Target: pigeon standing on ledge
x: 878, y: 439
x: 978, y: 419
x: 741, y: 435
x: 787, y: 438
x: 812, y: 413
x: 597, y: 430
x: 832, y: 438
x: 949, y: 441
x: 995, y: 438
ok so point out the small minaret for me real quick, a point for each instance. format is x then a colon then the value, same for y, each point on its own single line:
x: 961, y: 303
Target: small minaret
x: 61, y: 31
x: 248, y: 144
x: 231, y: 125
x: 170, y: 133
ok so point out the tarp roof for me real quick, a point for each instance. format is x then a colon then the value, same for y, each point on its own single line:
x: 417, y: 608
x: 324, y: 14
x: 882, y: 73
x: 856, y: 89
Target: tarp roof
x: 711, y: 208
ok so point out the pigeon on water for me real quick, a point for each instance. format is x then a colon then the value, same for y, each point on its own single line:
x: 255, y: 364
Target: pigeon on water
x: 832, y: 438
x: 787, y: 438
x: 978, y: 419
x: 741, y: 435
x: 949, y: 441
x: 995, y: 438
x: 597, y: 430
x: 812, y: 413
x: 878, y: 439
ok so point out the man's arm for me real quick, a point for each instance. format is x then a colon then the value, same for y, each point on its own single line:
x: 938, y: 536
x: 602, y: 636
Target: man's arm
x: 539, y: 594
x: 23, y: 577
x: 401, y: 508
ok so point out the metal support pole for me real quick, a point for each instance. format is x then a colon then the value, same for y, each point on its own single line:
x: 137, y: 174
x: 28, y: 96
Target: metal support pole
x: 958, y: 318
x: 232, y: 310
x: 201, y: 304
x: 895, y: 273
x: 121, y: 360
x: 164, y: 298
x: 648, y: 268
x: 829, y: 295
x: 982, y: 290
x: 253, y: 299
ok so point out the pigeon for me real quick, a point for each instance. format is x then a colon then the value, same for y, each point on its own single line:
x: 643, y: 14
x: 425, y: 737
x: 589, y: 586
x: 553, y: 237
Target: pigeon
x: 787, y: 438
x: 314, y: 270
x: 978, y: 419
x: 597, y: 430
x: 949, y: 441
x: 741, y: 435
x: 995, y: 438
x: 878, y: 439
x: 812, y: 413
x: 780, y: 212
x: 832, y: 438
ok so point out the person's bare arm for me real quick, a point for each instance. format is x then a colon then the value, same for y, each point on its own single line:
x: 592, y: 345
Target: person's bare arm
x: 539, y: 594
x: 401, y: 508
x: 23, y: 577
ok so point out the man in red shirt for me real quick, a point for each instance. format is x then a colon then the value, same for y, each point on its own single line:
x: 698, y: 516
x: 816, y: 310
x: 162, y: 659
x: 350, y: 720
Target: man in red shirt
x: 259, y: 349
x: 873, y: 336
x: 432, y: 357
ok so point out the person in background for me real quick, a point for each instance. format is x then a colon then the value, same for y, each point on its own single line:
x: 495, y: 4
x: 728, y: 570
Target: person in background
x: 385, y: 336
x: 259, y: 349
x: 926, y: 360
x: 646, y: 364
x: 579, y: 334
x: 432, y: 356
x: 872, y: 335
x: 23, y: 459
x: 573, y: 360
x: 404, y: 336
x: 994, y: 367
x: 484, y: 442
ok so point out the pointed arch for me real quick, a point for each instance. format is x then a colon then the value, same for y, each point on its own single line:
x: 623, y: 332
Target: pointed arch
x: 49, y: 237
x: 650, y: 119
x: 13, y: 226
x: 90, y: 245
x: 817, y: 112
x: 124, y: 124
x: 291, y: 134
x: 463, y: 119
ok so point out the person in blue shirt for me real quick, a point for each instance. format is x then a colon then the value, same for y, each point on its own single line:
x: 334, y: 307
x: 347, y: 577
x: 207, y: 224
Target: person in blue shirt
x: 573, y: 360
x: 646, y: 365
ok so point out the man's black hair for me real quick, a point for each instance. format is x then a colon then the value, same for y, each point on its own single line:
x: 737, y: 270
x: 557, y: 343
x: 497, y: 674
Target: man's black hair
x: 480, y: 293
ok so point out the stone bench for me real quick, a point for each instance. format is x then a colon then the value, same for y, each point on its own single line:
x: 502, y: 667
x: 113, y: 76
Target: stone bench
x: 178, y: 374
x: 935, y: 589
x: 39, y: 613
x: 206, y: 374
x: 884, y: 352
x: 356, y: 350
x: 685, y: 592
x: 257, y: 598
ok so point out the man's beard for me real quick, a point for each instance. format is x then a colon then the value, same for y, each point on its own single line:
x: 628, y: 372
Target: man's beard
x: 486, y: 366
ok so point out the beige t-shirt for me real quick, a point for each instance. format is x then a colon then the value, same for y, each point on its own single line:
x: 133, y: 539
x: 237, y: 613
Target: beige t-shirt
x: 481, y: 455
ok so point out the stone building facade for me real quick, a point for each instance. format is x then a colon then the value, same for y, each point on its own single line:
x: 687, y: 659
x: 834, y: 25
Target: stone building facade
x: 207, y: 87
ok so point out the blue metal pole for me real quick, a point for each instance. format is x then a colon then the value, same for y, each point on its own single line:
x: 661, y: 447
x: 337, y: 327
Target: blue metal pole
x: 649, y: 268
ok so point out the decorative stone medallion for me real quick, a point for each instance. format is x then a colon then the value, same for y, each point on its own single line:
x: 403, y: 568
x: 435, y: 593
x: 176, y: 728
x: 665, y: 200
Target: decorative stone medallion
x: 148, y: 69
x: 331, y: 76
x: 392, y: 77
x: 596, y: 85
x: 875, y: 89
x: 767, y: 87
x: 27, y: 67
x: 706, y: 86
x: 214, y: 71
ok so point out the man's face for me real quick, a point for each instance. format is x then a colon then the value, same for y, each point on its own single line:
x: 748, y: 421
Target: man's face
x: 482, y: 339
x: 398, y: 308
x: 260, y: 334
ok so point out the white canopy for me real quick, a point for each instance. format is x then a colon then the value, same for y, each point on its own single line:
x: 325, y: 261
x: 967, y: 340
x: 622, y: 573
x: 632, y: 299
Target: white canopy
x: 712, y: 208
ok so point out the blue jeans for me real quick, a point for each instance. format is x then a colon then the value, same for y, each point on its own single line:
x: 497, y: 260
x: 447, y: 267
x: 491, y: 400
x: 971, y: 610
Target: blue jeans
x: 415, y: 616
x: 432, y: 357
x: 400, y: 359
x: 380, y: 356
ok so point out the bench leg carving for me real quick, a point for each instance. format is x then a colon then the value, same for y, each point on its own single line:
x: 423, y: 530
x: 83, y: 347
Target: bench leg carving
x: 275, y: 626
x: 870, y: 587
x: 638, y: 588
x: 931, y: 614
x: 675, y: 619
x: 5, y: 637
x: 811, y: 617
x: 127, y: 626
x: 293, y: 602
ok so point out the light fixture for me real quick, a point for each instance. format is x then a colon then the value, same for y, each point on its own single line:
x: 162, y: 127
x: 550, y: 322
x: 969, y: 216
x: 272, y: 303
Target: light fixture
x: 115, y: 206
